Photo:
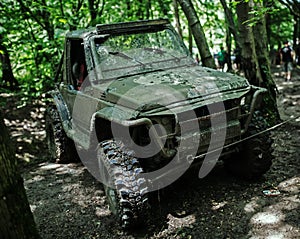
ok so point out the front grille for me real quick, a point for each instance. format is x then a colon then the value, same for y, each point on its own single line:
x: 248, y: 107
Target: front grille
x: 203, y: 137
x: 203, y: 117
x: 204, y: 122
x: 200, y: 123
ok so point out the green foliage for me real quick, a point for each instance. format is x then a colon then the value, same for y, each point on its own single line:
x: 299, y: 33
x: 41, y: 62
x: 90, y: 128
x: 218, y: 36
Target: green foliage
x: 212, y: 18
x: 259, y: 13
x: 33, y: 31
x: 281, y: 25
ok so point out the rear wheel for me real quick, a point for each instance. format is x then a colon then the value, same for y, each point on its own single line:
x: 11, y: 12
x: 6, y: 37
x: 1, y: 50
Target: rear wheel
x: 255, y: 155
x: 61, y: 148
x: 124, y: 185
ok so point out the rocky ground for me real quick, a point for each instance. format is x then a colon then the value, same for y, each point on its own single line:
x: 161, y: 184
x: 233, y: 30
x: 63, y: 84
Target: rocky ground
x: 67, y: 202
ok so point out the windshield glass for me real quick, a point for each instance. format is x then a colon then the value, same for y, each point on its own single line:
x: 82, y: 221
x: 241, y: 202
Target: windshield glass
x: 124, y: 55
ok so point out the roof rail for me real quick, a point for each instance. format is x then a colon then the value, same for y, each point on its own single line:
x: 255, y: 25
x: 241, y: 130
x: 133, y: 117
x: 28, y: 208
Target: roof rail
x: 131, y: 26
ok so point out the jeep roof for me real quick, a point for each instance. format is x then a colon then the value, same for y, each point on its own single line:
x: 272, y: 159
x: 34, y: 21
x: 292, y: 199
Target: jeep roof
x: 118, y: 28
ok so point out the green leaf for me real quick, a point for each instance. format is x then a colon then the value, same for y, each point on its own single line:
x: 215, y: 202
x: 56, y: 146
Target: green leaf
x: 2, y: 29
x: 62, y: 20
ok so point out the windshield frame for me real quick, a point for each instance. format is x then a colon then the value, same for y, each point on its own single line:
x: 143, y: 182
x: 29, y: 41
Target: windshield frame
x: 100, y: 72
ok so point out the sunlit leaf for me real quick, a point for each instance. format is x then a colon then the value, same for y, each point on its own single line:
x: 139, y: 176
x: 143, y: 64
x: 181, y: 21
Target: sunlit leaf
x: 62, y: 20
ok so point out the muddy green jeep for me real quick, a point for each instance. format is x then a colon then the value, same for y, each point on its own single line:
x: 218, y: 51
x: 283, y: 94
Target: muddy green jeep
x: 138, y: 111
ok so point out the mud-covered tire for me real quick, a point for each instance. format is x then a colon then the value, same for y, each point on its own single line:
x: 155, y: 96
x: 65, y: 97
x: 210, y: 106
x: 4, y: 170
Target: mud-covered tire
x: 126, y: 189
x: 61, y: 148
x: 255, y: 154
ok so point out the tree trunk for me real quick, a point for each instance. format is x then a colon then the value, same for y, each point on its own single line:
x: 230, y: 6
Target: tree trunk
x: 261, y: 49
x: 269, y: 4
x: 296, y: 32
x: 96, y: 10
x: 8, y: 78
x: 190, y: 41
x: 198, y: 33
x: 177, y: 19
x: 92, y: 11
x: 228, y: 47
x: 248, y: 56
x: 230, y: 22
x: 255, y: 60
x: 148, y: 9
x: 164, y: 7
x: 16, y: 220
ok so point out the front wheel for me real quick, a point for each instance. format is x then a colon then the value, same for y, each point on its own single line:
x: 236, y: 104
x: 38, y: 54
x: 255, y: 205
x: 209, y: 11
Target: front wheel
x: 255, y: 154
x: 125, y: 188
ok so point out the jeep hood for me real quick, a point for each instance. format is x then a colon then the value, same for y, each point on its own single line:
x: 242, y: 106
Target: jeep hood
x: 193, y: 86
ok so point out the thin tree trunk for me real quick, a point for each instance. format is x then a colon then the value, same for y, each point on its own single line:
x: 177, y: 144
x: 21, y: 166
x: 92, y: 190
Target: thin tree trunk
x: 269, y: 4
x: 190, y: 41
x: 16, y: 220
x: 231, y: 24
x: 198, y: 33
x: 148, y: 9
x: 7, y: 74
x: 164, y: 7
x: 43, y: 19
x: 96, y: 10
x: 140, y: 9
x: 296, y: 31
x: 177, y: 19
x: 228, y: 47
x: 92, y: 10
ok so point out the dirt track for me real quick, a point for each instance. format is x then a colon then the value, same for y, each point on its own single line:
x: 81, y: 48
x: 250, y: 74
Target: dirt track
x: 68, y: 202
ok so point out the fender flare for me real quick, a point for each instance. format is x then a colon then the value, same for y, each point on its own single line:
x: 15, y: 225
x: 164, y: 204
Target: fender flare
x: 62, y: 109
x: 116, y: 115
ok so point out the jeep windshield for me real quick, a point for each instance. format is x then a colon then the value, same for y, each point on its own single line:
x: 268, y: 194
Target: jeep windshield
x: 119, y: 56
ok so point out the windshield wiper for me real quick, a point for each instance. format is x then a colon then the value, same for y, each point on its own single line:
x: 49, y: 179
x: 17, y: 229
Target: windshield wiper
x: 161, y: 52
x: 123, y: 55
x: 134, y: 73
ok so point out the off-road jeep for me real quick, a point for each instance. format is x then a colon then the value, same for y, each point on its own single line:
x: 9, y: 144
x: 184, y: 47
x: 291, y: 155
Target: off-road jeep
x: 141, y: 112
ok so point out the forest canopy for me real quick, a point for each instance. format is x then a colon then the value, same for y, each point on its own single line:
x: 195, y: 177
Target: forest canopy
x: 32, y: 32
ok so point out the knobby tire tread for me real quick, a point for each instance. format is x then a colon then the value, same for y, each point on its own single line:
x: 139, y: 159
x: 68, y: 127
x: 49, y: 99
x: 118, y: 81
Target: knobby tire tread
x: 130, y: 187
x: 64, y: 147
